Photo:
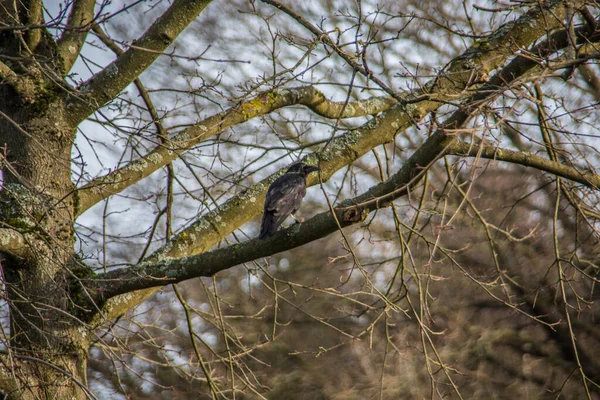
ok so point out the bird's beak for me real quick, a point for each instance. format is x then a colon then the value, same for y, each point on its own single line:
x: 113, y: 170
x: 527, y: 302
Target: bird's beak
x: 310, y: 168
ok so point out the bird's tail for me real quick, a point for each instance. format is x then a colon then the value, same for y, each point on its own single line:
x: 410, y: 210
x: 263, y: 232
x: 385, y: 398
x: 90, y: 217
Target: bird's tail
x: 268, y: 226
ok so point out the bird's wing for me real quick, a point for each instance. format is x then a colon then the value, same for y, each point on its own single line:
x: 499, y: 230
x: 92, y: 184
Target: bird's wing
x: 283, y: 198
x: 285, y: 194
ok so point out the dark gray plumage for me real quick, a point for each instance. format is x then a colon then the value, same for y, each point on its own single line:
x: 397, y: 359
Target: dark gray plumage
x: 284, y: 197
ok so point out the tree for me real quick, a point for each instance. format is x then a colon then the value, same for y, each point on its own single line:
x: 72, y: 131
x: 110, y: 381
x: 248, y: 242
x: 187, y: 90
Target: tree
x: 453, y: 142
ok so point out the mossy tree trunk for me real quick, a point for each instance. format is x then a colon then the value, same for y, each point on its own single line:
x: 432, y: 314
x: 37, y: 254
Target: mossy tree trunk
x: 48, y: 346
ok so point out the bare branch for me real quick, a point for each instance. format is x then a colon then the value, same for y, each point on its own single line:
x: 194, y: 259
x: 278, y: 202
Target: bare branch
x: 138, y: 82
x: 348, y: 58
x: 351, y: 211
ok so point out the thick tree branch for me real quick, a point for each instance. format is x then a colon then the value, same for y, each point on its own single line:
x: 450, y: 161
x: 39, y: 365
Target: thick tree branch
x: 525, y: 158
x: 13, y: 243
x: 477, y: 61
x: 73, y: 37
x: 308, y: 96
x: 32, y: 9
x: 7, y: 75
x: 163, y: 272
x: 108, y: 83
x: 168, y: 270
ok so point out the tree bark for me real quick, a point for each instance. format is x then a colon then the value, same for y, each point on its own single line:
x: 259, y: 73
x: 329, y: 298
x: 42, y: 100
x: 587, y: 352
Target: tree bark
x: 48, y: 342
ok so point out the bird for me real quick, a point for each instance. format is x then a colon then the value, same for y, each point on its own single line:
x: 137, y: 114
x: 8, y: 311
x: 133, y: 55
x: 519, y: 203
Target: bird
x: 284, y: 197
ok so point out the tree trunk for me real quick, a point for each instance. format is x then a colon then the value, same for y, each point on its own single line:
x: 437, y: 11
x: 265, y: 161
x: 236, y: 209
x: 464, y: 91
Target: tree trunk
x: 49, y: 345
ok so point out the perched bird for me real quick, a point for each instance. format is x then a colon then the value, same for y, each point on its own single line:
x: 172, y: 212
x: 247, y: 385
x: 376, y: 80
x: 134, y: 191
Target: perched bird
x: 284, y: 197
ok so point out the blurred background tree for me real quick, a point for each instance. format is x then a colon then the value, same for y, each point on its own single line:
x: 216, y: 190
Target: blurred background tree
x: 450, y: 243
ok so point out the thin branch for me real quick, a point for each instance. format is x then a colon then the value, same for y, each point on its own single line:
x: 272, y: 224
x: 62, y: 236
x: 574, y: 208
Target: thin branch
x: 137, y: 81
x: 348, y: 58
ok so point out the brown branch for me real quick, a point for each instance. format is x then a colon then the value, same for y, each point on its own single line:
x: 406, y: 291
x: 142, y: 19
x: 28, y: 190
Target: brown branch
x: 308, y: 96
x: 108, y: 83
x: 73, y: 37
x: 161, y: 131
x: 526, y: 159
x: 163, y: 272
x: 137, y: 81
x: 323, y: 37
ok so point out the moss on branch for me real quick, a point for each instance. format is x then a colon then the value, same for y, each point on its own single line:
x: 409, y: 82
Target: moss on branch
x: 264, y: 103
